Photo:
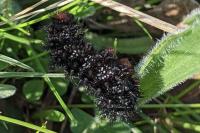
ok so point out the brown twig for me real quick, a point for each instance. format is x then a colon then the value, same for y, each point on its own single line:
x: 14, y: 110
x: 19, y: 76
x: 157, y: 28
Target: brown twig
x: 167, y: 27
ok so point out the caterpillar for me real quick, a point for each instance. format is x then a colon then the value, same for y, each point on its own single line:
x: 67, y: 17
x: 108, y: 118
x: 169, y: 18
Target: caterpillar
x: 106, y: 78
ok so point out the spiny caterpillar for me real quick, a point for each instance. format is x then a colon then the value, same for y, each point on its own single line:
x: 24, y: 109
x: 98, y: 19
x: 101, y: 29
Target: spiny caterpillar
x: 106, y: 78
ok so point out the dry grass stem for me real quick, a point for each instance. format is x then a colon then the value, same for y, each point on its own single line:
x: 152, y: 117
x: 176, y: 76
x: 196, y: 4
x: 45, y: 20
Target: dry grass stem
x: 167, y: 27
x: 24, y: 13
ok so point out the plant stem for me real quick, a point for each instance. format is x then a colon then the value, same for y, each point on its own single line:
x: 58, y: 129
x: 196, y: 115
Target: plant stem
x: 25, y: 124
x: 197, y: 105
x: 144, y: 106
x: 30, y: 75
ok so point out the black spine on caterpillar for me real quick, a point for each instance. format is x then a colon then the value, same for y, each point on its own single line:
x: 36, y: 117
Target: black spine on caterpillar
x: 106, y: 78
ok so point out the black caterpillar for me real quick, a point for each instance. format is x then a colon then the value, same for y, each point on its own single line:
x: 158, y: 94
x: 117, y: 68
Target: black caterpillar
x: 101, y: 71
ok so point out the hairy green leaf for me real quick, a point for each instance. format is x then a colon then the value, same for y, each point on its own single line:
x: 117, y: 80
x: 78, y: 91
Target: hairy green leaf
x: 174, y: 59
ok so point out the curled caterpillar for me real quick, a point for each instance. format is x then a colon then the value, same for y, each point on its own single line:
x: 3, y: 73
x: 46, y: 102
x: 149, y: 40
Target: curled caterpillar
x: 106, y: 78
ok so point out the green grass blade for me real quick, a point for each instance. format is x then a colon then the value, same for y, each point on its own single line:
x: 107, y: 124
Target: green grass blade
x: 14, y: 62
x: 25, y: 124
x: 188, y: 89
x: 30, y: 75
x: 195, y: 105
x: 187, y: 125
x: 13, y: 25
x: 35, y: 57
x: 190, y: 112
x: 19, y: 39
x: 146, y: 106
x: 143, y: 28
x: 152, y: 122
